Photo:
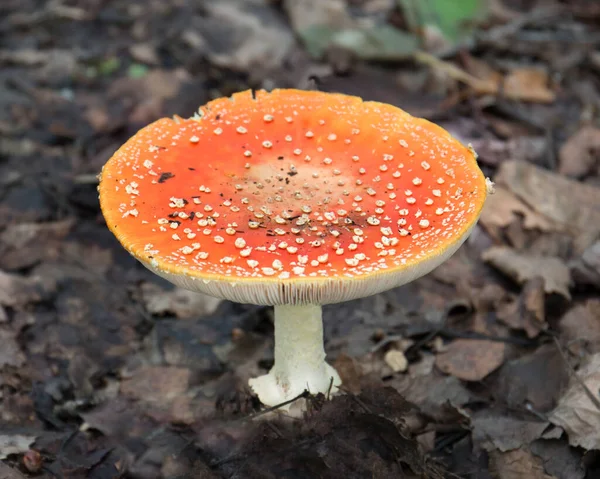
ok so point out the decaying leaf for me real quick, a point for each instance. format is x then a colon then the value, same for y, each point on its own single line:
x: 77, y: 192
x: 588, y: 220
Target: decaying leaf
x: 559, y: 459
x: 16, y: 291
x: 581, y: 325
x: 528, y: 311
x: 502, y: 208
x: 517, y: 464
x: 244, y: 35
x: 576, y: 413
x: 435, y: 394
x: 181, y: 302
x: 471, y: 360
x: 524, y: 267
x: 535, y: 379
x: 580, y: 153
x: 572, y: 204
x: 528, y: 84
x: 157, y: 384
x: 493, y: 431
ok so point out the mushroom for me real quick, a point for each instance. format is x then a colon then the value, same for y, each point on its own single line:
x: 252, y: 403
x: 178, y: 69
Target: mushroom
x: 294, y: 199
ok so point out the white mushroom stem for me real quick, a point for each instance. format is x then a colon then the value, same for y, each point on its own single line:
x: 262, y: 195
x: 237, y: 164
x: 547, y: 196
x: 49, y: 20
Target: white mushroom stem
x: 299, y: 357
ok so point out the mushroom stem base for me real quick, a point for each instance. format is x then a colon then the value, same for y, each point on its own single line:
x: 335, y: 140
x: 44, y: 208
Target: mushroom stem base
x: 299, y: 357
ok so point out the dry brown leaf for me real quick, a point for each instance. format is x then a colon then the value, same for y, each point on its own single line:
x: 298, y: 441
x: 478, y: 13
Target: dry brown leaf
x: 471, y: 359
x: 517, y: 464
x: 572, y: 204
x: 528, y: 311
x: 528, y: 84
x: 580, y: 153
x: 576, y: 413
x: 582, y: 325
x: 524, y: 267
x: 156, y: 384
x: 502, y: 208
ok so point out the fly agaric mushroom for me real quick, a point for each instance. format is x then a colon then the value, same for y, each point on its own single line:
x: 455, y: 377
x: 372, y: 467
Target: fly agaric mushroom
x: 294, y: 199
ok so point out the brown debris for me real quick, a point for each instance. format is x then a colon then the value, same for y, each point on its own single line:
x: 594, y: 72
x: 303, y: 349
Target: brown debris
x: 528, y: 312
x: 563, y: 201
x: 471, y: 359
x: 523, y: 268
x: 517, y: 464
x: 576, y: 413
x: 580, y: 153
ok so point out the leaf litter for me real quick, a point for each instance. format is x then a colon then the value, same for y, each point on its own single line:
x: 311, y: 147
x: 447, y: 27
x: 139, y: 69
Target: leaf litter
x: 484, y: 368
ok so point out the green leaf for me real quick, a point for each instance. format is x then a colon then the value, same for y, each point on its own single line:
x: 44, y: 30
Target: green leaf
x: 455, y: 19
x: 382, y: 42
x: 109, y: 66
x: 137, y: 70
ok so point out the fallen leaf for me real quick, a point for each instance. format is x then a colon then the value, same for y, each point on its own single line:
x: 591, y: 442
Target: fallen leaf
x: 559, y: 459
x: 436, y: 395
x: 517, y: 464
x: 178, y: 301
x: 454, y: 22
x: 471, y: 359
x: 504, y: 207
x: 17, y: 291
x: 528, y: 84
x: 535, y: 379
x: 156, y: 384
x: 24, y: 244
x: 576, y: 413
x: 244, y: 35
x: 567, y: 202
x: 581, y: 325
x: 580, y: 153
x: 522, y: 267
x: 527, y: 312
x: 492, y: 430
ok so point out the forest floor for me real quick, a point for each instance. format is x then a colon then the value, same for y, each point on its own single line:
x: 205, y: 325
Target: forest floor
x: 487, y: 367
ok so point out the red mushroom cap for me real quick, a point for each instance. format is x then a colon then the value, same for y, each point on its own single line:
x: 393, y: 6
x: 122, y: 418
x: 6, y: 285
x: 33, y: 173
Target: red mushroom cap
x: 292, y: 197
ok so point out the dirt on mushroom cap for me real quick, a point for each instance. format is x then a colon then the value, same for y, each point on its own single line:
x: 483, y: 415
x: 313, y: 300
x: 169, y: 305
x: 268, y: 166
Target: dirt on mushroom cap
x: 292, y: 187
